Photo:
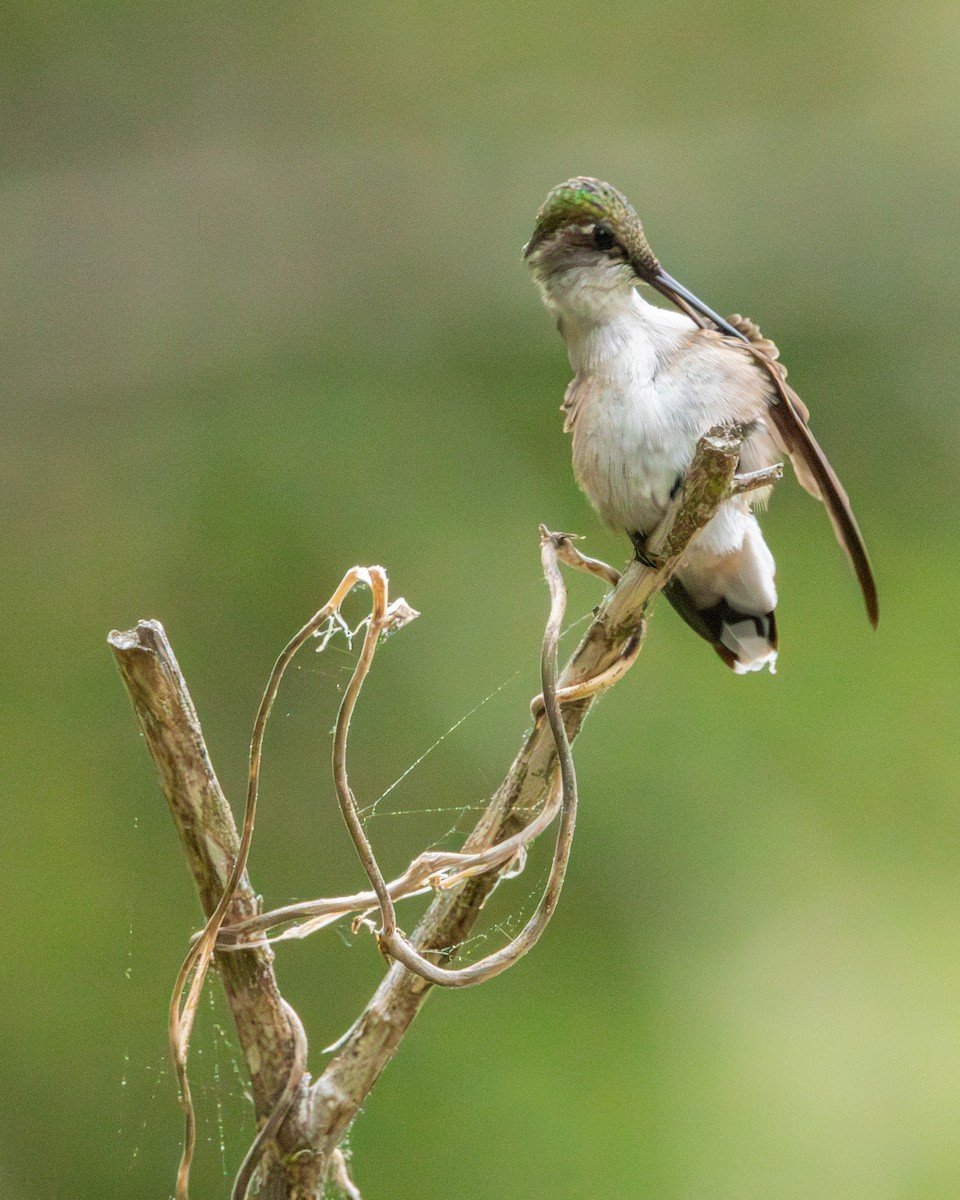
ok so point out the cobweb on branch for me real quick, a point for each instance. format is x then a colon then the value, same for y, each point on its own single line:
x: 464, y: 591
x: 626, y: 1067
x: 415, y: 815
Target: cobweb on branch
x: 373, y: 809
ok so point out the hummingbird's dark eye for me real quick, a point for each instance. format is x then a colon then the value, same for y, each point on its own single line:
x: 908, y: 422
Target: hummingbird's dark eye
x: 603, y: 237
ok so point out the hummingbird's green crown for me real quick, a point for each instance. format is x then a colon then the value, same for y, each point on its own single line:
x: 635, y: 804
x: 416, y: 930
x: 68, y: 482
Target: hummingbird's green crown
x: 583, y: 200
x: 587, y: 201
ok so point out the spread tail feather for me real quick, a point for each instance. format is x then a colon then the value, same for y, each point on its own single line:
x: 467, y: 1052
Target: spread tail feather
x: 745, y: 641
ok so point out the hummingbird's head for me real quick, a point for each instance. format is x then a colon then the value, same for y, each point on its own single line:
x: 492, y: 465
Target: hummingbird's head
x: 588, y: 224
x: 588, y: 243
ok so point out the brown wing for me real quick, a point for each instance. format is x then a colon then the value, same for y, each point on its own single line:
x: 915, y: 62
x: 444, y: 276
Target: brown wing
x: 789, y: 417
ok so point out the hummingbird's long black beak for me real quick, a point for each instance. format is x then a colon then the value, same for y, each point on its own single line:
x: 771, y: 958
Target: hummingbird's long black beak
x: 677, y: 294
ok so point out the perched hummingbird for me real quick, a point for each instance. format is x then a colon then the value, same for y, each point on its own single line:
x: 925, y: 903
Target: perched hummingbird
x: 648, y: 383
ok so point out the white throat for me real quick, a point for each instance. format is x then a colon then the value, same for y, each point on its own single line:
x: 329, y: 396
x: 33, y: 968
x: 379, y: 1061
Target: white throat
x: 601, y: 315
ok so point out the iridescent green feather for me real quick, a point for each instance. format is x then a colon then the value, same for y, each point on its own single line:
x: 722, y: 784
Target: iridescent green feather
x: 586, y: 201
x: 582, y: 201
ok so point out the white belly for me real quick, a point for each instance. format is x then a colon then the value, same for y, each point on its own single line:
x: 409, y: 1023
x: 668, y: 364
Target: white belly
x: 641, y: 400
x: 624, y: 459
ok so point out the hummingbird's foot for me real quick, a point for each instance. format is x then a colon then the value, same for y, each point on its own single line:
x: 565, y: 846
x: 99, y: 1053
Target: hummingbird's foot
x: 567, y: 553
x: 641, y: 550
x: 650, y: 546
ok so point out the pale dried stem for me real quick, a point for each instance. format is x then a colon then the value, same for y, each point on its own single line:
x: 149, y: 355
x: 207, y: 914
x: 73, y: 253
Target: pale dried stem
x: 392, y: 942
x: 434, y: 870
x: 266, y: 1031
x: 308, y: 1124
x: 616, y: 632
x: 570, y: 556
x: 341, y: 1174
x: 198, y: 957
x: 751, y: 481
x: 271, y: 1126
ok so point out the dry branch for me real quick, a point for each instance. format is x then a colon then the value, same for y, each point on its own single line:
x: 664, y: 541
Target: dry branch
x: 210, y: 842
x: 614, y: 636
x: 304, y: 1131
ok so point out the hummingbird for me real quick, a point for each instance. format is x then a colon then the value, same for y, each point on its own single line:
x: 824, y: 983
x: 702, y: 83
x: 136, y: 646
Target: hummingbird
x: 648, y: 383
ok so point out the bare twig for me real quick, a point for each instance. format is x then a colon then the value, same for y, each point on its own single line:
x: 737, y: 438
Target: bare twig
x: 392, y: 942
x: 197, y: 960
x: 209, y: 837
x: 373, y: 1040
x: 751, y: 481
x: 568, y: 554
x: 342, y: 1175
x: 278, y: 1114
x: 302, y: 1127
x: 434, y: 870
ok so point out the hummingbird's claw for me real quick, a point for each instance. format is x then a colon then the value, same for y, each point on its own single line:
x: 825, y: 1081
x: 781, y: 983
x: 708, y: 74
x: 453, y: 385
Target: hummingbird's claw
x: 640, y: 553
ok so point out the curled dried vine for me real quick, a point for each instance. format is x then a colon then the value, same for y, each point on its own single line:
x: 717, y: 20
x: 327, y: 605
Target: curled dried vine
x: 193, y: 970
x: 393, y: 943
x: 302, y: 1123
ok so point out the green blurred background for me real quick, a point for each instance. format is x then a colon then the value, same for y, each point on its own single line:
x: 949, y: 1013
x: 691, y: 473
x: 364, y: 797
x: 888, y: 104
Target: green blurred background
x: 264, y: 316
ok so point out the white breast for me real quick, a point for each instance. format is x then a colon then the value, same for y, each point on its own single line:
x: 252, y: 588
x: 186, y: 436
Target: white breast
x: 641, y: 397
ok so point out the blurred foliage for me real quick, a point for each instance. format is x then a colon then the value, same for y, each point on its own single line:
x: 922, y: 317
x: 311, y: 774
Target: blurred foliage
x: 263, y: 317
